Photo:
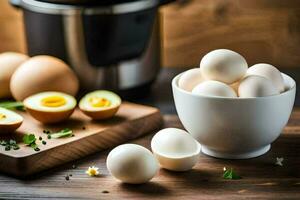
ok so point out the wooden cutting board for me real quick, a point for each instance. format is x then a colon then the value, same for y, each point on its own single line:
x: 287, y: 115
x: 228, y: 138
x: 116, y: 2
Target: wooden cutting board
x: 131, y: 121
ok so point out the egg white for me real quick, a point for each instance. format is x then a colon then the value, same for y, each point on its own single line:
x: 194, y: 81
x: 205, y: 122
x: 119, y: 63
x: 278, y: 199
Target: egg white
x: 11, y: 117
x: 114, y: 99
x: 35, y: 102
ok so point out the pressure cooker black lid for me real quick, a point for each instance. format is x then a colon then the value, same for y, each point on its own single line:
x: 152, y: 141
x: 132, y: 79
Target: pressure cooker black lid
x: 97, y: 2
x: 89, y: 2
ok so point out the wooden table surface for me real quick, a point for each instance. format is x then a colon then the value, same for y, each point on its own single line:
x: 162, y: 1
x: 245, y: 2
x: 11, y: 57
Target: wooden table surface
x: 261, y: 178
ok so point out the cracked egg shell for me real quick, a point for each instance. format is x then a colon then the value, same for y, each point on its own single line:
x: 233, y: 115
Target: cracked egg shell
x: 50, y: 107
x: 9, y: 120
x: 175, y: 149
x: 100, y: 104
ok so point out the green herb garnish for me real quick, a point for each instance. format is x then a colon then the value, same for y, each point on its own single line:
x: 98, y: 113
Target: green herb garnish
x: 9, y: 144
x: 30, y: 139
x: 230, y: 174
x: 63, y: 133
x: 12, y: 105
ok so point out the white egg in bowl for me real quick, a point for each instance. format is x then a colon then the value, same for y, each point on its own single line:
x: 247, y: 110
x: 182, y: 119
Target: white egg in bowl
x: 175, y: 149
x: 232, y: 127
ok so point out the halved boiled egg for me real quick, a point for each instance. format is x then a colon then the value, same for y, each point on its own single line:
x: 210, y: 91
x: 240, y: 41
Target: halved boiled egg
x: 100, y: 104
x: 175, y: 149
x: 50, y: 107
x: 9, y: 121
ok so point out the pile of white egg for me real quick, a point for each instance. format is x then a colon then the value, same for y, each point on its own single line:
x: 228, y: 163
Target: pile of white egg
x: 225, y: 73
x: 173, y: 149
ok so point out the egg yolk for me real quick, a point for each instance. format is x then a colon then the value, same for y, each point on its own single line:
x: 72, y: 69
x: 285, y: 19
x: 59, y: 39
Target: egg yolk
x: 2, y: 116
x: 99, y: 102
x: 53, y: 101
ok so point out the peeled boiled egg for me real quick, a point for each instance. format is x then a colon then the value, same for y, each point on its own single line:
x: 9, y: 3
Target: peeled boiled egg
x: 131, y: 163
x: 100, y: 104
x: 256, y: 86
x: 270, y: 72
x: 175, y: 149
x: 9, y: 121
x: 9, y: 62
x: 40, y: 74
x: 223, y: 65
x: 214, y: 88
x: 50, y: 107
x: 190, y: 79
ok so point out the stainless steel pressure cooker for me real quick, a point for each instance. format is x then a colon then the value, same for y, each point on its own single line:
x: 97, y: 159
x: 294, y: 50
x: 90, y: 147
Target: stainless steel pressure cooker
x: 111, y: 44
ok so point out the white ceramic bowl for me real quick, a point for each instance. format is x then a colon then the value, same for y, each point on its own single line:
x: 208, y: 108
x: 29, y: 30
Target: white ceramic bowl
x: 234, y: 128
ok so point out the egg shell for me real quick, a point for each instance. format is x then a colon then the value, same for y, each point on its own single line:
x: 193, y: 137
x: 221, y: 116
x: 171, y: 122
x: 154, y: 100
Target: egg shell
x: 43, y: 73
x: 175, y: 149
x: 49, y: 116
x: 9, y: 62
x: 131, y: 163
x: 9, y: 127
x: 270, y: 72
x: 101, y: 113
x: 214, y: 88
x: 190, y: 79
x: 256, y: 86
x: 223, y: 65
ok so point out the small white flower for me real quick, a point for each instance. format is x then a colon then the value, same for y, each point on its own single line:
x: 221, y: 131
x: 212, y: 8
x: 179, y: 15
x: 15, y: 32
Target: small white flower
x: 92, y: 171
x: 224, y: 169
x: 279, y: 161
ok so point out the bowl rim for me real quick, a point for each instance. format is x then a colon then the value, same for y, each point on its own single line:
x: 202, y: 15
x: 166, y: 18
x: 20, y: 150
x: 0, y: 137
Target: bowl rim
x: 285, y: 77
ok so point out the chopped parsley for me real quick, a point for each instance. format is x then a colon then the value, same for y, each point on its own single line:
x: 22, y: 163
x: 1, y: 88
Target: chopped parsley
x: 30, y: 140
x: 9, y: 144
x: 230, y: 174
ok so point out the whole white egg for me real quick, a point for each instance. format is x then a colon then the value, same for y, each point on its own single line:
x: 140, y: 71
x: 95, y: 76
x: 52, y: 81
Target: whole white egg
x: 223, y: 65
x: 270, y: 72
x: 256, y: 86
x: 190, y: 79
x: 131, y: 163
x: 175, y: 149
x: 214, y: 88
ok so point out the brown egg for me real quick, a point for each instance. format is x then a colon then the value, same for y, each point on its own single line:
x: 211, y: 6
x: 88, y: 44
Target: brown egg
x: 9, y: 62
x: 43, y: 73
x: 100, y: 104
x: 50, y: 107
x: 9, y: 121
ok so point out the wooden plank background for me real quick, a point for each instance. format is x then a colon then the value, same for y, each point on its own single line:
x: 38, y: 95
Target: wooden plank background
x: 11, y: 28
x: 261, y: 30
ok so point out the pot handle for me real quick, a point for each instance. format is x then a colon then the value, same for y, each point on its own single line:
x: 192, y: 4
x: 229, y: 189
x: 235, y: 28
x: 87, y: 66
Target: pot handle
x: 16, y: 3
